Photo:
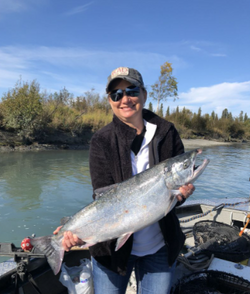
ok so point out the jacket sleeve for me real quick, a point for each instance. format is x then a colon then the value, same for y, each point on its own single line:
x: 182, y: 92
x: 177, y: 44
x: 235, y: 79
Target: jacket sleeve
x: 178, y: 146
x: 99, y: 163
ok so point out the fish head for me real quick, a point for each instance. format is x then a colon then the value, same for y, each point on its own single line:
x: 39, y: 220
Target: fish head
x: 181, y: 170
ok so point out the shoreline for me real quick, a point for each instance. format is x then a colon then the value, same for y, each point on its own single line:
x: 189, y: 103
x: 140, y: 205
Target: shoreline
x: 197, y: 143
x: 35, y: 147
x: 42, y: 147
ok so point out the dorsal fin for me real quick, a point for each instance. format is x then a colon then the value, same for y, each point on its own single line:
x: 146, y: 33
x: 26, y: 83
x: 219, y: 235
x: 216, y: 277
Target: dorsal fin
x: 100, y: 191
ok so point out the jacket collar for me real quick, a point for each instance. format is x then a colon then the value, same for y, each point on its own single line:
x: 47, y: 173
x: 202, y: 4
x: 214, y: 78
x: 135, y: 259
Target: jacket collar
x: 127, y: 134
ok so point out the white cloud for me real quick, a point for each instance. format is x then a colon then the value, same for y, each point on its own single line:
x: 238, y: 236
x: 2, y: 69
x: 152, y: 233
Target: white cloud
x: 21, y: 57
x: 79, y: 9
x: 233, y: 96
x: 79, y: 70
x: 75, y: 68
x: 10, y: 59
x: 206, y: 48
x: 18, y: 6
x: 195, y: 48
x: 9, y: 6
x: 219, y: 55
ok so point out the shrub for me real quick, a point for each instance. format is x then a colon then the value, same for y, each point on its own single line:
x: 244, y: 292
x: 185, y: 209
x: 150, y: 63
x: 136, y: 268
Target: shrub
x: 21, y: 108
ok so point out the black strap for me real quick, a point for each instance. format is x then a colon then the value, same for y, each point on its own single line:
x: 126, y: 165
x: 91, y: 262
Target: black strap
x: 31, y: 280
x: 16, y: 284
x: 33, y: 283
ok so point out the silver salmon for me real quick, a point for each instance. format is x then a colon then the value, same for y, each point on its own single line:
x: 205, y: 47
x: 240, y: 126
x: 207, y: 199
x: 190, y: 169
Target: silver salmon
x: 127, y: 207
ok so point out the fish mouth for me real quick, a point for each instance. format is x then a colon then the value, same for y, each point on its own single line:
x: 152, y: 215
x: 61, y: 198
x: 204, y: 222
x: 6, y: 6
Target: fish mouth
x: 197, y: 170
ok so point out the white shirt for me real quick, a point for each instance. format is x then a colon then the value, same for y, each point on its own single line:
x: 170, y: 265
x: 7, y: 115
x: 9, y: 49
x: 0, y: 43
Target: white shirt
x: 150, y: 239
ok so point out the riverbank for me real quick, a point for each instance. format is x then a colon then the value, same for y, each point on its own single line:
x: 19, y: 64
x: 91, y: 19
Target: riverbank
x: 61, y: 140
x: 188, y: 143
x: 199, y: 143
x: 56, y: 140
x: 42, y: 147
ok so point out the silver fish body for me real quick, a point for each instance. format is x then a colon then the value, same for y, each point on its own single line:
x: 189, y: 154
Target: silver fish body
x: 125, y: 208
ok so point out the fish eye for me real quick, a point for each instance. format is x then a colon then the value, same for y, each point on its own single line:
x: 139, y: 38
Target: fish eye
x: 186, y: 163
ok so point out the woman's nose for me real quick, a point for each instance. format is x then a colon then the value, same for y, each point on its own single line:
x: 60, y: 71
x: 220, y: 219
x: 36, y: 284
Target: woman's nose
x: 125, y: 98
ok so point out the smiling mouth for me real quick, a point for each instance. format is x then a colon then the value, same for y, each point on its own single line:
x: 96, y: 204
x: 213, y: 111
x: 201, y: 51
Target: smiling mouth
x: 128, y: 107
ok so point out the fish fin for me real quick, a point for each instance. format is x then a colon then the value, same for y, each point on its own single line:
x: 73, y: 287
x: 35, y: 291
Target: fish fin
x: 53, y: 250
x: 65, y: 219
x: 172, y: 200
x: 122, y: 240
x: 100, y: 191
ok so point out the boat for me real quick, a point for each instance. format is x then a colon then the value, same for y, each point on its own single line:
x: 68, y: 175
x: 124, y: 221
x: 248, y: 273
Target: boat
x: 29, y: 272
x: 216, y: 256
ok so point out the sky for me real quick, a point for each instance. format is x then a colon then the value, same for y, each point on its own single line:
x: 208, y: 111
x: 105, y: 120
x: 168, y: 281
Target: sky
x: 76, y: 44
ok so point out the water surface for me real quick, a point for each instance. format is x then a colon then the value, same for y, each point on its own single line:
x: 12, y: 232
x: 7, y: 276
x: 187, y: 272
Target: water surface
x: 37, y: 189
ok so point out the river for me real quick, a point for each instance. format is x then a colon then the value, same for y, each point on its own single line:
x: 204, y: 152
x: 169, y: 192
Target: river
x: 37, y: 189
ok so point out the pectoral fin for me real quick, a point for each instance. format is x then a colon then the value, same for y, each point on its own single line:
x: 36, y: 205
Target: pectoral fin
x: 122, y: 240
x: 172, y: 200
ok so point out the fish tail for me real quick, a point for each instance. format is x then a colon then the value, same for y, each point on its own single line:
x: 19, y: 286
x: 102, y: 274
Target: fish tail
x: 52, y: 248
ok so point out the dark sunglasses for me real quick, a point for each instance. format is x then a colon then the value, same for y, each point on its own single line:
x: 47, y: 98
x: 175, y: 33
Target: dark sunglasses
x: 132, y: 91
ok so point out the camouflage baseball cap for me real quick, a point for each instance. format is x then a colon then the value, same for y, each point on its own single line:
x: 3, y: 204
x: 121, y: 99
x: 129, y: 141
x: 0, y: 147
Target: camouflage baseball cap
x: 128, y: 74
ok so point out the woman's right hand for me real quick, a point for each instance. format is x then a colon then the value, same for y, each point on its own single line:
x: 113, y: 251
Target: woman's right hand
x: 69, y: 240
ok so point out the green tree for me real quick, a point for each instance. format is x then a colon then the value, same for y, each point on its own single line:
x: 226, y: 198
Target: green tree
x: 161, y: 111
x: 230, y: 116
x: 241, y: 116
x: 225, y: 113
x: 213, y: 115
x: 63, y: 97
x: 198, y: 122
x: 199, y: 112
x: 167, y: 112
x: 21, y: 107
x: 165, y: 86
x: 93, y: 100
x: 80, y: 103
x: 150, y: 106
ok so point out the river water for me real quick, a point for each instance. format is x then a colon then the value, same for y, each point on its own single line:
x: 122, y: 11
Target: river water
x: 37, y: 189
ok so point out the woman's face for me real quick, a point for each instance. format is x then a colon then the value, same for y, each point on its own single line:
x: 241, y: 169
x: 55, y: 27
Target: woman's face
x: 128, y: 109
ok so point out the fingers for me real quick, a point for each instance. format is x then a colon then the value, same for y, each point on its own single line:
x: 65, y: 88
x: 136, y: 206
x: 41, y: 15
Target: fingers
x: 185, y: 191
x: 57, y: 230
x: 70, y: 240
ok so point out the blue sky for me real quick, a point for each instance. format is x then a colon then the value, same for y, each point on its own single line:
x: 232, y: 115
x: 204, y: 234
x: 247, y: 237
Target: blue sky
x: 76, y: 44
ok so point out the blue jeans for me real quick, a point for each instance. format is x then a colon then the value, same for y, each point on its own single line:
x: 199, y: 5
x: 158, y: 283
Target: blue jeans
x: 153, y: 275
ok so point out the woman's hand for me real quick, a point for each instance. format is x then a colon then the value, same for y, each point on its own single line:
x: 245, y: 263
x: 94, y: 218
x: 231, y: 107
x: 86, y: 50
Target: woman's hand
x: 69, y: 239
x: 185, y: 191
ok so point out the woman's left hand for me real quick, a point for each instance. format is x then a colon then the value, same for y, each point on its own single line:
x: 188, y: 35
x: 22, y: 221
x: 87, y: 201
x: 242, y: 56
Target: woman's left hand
x: 185, y: 191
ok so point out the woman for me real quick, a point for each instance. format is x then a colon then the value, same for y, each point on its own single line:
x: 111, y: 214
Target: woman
x: 135, y: 140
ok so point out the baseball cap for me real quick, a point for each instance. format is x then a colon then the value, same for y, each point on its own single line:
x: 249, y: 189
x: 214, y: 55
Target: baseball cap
x: 128, y: 74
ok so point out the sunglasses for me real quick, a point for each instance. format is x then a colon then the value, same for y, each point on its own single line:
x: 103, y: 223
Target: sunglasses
x: 132, y: 91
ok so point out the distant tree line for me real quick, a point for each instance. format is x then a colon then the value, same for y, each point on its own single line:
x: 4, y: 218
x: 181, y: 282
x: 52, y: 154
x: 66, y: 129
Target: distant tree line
x: 32, y: 114
x: 210, y: 126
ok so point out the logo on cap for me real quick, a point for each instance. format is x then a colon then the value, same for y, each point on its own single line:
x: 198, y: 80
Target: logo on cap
x: 120, y: 71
